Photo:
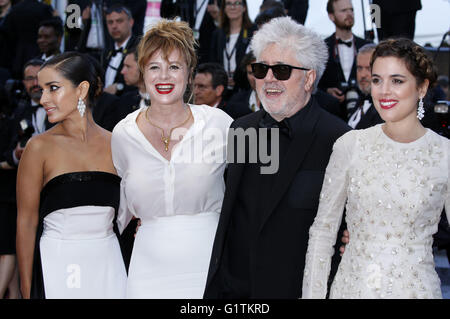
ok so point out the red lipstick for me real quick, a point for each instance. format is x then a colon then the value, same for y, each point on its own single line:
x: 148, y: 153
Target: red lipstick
x: 388, y: 104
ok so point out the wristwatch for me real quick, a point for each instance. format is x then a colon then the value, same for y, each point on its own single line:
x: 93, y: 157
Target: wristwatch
x: 120, y: 86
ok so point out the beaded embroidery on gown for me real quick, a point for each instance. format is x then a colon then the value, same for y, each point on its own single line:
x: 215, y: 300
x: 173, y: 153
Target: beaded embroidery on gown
x: 77, y: 252
x: 394, y: 194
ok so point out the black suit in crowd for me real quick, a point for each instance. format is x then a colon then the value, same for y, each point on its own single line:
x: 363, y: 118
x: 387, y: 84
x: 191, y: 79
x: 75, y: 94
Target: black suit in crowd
x: 398, y: 18
x: 186, y: 10
x: 103, y: 111
x: 238, y: 104
x: 127, y: 103
x: 297, y: 9
x: 106, y: 58
x: 19, y: 34
x: 261, y: 240
x: 328, y: 102
x: 218, y: 45
x: 8, y: 209
x: 370, y: 118
x: 333, y: 75
x: 76, y: 39
x: 23, y: 111
x: 137, y: 8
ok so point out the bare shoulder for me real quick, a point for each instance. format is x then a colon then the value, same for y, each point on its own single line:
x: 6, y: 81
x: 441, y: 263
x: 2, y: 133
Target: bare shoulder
x: 38, y: 144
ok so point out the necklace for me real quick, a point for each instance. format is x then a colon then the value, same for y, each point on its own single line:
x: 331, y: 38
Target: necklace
x: 166, y: 139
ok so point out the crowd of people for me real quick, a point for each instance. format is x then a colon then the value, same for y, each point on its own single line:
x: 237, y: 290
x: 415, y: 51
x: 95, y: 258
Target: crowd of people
x: 213, y: 157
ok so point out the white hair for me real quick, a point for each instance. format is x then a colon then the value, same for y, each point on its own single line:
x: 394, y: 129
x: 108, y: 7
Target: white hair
x: 367, y: 48
x: 310, y: 49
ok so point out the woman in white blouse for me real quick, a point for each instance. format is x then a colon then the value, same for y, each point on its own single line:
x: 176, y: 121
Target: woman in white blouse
x: 171, y: 157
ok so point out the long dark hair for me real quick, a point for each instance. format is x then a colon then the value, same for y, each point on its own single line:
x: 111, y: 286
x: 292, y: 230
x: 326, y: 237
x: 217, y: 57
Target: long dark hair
x: 225, y: 22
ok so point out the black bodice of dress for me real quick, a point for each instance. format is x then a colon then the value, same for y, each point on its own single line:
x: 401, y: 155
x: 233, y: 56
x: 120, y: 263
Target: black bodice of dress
x: 80, y: 189
x: 69, y: 190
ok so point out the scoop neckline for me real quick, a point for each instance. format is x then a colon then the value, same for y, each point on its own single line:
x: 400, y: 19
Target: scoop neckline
x: 418, y: 140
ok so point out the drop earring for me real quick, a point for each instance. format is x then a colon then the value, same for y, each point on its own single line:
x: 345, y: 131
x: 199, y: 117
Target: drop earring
x: 420, y: 110
x: 81, y: 107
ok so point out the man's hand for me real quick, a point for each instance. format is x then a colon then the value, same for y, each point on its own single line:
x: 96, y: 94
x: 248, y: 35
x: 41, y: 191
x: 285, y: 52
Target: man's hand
x: 345, y: 240
x: 213, y: 10
x: 336, y: 93
x: 18, y: 151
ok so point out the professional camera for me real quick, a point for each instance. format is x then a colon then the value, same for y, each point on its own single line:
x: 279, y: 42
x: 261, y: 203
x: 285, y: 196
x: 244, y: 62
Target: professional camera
x: 15, y: 90
x: 25, y: 132
x: 441, y: 113
x: 350, y: 91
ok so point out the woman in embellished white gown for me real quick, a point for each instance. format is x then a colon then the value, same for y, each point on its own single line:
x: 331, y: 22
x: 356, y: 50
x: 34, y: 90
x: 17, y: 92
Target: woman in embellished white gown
x: 171, y: 157
x: 68, y: 194
x: 394, y: 178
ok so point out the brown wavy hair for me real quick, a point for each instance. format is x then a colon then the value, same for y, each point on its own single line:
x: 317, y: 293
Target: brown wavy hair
x: 416, y: 59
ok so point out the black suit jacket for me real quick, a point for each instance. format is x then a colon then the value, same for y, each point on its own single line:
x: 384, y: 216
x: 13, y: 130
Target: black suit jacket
x: 126, y: 104
x: 238, y: 105
x: 185, y: 9
x: 19, y: 34
x: 104, y: 109
x: 7, y: 177
x: 333, y: 75
x: 107, y: 55
x: 277, y: 254
x: 371, y: 118
x: 24, y: 110
x: 398, y: 6
x: 329, y: 103
x: 297, y: 9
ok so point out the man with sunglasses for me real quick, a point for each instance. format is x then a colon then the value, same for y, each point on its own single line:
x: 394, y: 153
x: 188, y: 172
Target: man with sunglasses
x: 260, y: 245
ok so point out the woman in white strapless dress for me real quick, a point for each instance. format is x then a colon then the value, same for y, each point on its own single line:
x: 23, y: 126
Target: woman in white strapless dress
x: 68, y: 194
x: 395, y: 180
x: 171, y: 157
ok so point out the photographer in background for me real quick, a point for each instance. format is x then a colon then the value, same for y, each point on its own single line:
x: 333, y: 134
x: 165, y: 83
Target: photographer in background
x: 29, y: 117
x: 339, y: 78
x: 365, y: 115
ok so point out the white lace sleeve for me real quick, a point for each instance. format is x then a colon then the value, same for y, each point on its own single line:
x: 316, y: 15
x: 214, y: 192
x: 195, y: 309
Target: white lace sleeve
x: 323, y: 232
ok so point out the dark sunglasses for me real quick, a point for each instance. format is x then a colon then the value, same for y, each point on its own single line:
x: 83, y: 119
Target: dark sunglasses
x: 281, y: 72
